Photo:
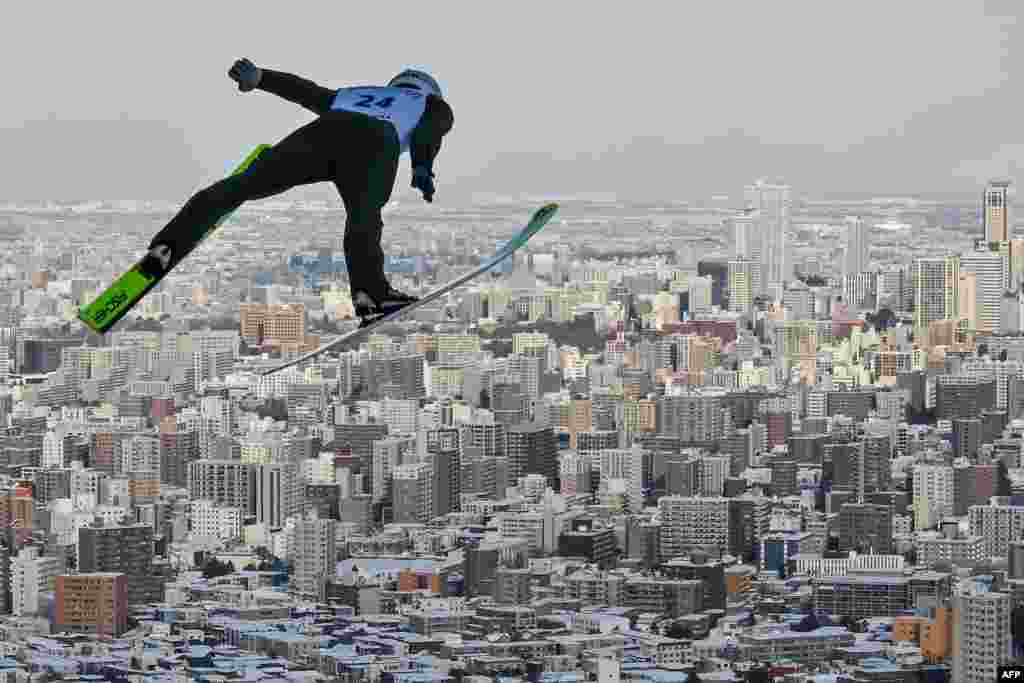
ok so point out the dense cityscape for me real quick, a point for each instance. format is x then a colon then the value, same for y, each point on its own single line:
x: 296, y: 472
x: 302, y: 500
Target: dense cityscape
x: 761, y: 437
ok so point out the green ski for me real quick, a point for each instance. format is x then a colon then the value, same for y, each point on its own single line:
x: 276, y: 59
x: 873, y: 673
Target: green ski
x: 126, y: 291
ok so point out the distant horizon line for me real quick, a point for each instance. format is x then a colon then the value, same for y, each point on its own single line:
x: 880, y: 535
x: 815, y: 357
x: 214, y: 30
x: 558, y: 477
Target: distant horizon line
x: 596, y: 197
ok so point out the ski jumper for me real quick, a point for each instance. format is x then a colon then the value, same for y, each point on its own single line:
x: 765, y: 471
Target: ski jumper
x: 355, y: 142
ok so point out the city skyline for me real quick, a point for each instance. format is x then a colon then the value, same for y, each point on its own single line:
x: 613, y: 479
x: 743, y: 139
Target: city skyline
x: 122, y: 113
x: 749, y: 407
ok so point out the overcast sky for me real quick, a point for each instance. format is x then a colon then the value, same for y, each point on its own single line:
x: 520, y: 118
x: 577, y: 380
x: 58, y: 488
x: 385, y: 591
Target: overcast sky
x: 673, y: 100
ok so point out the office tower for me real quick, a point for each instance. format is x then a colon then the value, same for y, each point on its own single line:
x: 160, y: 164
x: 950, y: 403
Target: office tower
x: 784, y: 477
x: 714, y: 470
x: 91, y: 602
x: 687, y: 523
x: 700, y: 289
x: 589, y: 539
x: 989, y: 269
x: 359, y: 439
x: 1015, y: 564
x: 580, y: 418
x: 935, y: 285
x: 865, y: 528
x: 312, y: 554
x: 399, y: 376
x: 962, y: 396
x: 126, y: 550
x: 747, y: 238
x: 480, y: 566
x: 225, y: 482
x: 509, y: 404
x: 967, y: 293
x: 981, y: 632
x: 934, y: 494
x: 486, y: 434
x: 857, y: 250
x: 998, y: 525
x: 742, y: 273
x: 276, y: 493
x: 718, y: 271
x: 443, y: 453
x: 892, y: 284
x: 179, y: 447
x: 698, y: 418
x: 622, y: 474
x: 860, y: 290
x: 388, y: 454
x: 998, y: 226
x: 412, y: 501
x: 798, y: 301
x: 532, y: 449
x: 771, y: 204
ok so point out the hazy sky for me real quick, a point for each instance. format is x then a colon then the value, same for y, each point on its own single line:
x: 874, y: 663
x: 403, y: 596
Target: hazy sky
x: 676, y: 100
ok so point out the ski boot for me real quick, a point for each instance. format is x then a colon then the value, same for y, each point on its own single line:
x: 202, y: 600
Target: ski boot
x: 157, y: 261
x: 370, y: 311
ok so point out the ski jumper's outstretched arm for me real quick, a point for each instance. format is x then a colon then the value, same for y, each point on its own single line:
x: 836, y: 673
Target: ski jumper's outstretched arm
x: 302, y: 92
x: 425, y: 143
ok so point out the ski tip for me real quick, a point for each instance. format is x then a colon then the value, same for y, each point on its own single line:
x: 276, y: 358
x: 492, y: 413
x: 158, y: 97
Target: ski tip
x: 547, y: 211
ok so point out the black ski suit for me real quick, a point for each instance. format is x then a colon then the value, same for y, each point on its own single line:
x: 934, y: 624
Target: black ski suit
x: 357, y: 152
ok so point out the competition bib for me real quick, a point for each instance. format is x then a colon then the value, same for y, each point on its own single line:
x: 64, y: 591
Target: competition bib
x: 401, y: 106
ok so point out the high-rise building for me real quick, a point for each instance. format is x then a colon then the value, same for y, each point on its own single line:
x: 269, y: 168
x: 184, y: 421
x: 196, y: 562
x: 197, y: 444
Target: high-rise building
x: 693, y: 523
x: 700, y: 289
x: 858, y: 246
x: 274, y: 323
x: 981, y: 632
x: 276, y: 492
x: 532, y: 449
x: 998, y: 524
x: 32, y: 575
x: 989, y: 269
x: 718, y: 271
x: 998, y: 227
x: 225, y: 482
x: 312, y: 553
x: 412, y: 501
x: 126, y: 550
x: 865, y: 527
x: 934, y: 498
x: 935, y: 283
x: 92, y: 602
x: 445, y: 458
x: 622, y: 474
x: 771, y: 203
x: 747, y: 237
x: 742, y: 274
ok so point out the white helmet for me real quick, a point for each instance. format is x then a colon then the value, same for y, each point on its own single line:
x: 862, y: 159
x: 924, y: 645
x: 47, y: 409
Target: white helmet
x: 420, y: 80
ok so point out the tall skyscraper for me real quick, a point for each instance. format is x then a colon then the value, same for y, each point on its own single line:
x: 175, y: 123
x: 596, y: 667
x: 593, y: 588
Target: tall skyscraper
x: 989, y: 269
x: 700, y: 295
x: 771, y: 201
x: 741, y: 289
x: 312, y: 553
x: 126, y: 550
x: 749, y: 242
x: 981, y: 632
x: 858, y: 246
x: 747, y: 237
x: 936, y: 289
x: 998, y: 227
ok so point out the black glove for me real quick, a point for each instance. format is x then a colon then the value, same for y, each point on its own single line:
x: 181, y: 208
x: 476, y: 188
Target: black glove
x: 423, y: 180
x: 246, y: 74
